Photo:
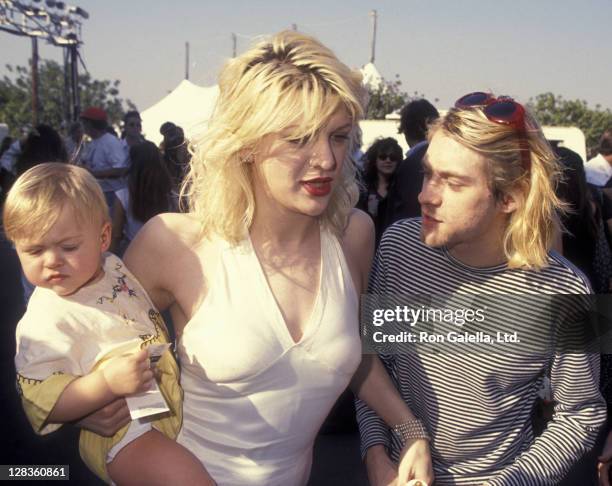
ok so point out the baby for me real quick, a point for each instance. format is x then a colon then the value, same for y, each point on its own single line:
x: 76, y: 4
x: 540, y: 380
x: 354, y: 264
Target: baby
x: 83, y: 340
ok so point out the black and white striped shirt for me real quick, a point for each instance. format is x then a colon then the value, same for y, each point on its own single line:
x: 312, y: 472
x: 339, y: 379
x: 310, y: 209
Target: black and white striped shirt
x: 477, y: 406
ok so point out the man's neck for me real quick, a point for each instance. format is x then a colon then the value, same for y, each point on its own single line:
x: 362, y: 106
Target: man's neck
x: 478, y: 259
x: 485, y: 250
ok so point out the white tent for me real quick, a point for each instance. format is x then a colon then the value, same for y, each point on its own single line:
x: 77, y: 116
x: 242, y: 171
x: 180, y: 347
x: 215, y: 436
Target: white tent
x: 188, y: 106
x: 371, y: 76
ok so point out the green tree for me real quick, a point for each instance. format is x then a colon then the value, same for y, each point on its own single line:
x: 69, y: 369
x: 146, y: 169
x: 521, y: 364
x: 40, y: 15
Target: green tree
x: 385, y: 98
x: 388, y: 97
x: 16, y: 96
x: 552, y: 109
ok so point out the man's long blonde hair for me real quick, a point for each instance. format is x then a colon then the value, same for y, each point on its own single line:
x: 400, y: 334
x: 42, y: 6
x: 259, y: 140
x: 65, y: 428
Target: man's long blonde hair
x: 289, y: 82
x: 531, y: 227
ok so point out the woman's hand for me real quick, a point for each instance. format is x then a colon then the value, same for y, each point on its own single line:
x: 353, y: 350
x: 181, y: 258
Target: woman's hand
x: 605, y: 462
x: 415, y: 462
x: 107, y: 420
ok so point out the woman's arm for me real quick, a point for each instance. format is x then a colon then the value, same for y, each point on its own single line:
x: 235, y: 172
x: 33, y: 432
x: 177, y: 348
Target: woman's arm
x: 358, y: 246
x: 150, y: 258
x: 371, y: 382
x: 107, y: 420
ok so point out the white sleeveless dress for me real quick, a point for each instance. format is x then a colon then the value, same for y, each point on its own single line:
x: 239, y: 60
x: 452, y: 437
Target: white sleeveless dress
x: 255, y: 399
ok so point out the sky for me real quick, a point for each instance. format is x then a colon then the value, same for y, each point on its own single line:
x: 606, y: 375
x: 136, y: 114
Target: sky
x: 441, y: 49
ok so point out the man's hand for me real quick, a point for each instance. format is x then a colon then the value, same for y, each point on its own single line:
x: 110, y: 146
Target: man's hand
x: 605, y: 462
x: 415, y: 462
x: 381, y: 470
x: 129, y: 374
x: 107, y: 420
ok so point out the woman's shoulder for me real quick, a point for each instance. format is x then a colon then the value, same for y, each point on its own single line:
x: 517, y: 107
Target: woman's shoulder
x: 168, y: 236
x: 163, y: 252
x: 359, y: 226
x: 171, y: 228
x: 358, y: 245
x: 164, y: 235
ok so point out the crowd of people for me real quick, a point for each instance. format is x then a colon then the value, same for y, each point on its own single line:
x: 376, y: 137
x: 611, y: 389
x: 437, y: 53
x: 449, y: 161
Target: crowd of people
x: 139, y: 179
x: 256, y: 241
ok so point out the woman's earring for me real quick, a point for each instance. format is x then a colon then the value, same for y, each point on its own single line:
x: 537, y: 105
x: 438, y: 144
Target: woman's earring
x: 249, y: 159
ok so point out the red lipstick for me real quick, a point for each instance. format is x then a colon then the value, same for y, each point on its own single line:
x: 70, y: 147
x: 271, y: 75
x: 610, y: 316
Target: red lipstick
x: 320, y: 186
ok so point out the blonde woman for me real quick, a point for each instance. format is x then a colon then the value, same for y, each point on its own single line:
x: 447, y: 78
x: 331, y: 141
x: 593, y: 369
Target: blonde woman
x: 263, y: 275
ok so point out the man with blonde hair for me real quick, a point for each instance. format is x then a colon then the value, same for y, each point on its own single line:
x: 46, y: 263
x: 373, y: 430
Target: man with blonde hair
x: 488, y: 223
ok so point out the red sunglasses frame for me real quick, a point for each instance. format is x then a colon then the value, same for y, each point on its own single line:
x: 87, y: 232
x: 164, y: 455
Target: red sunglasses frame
x: 516, y: 119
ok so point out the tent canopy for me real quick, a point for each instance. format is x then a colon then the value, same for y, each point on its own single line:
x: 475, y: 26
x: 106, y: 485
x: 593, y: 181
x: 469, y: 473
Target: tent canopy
x: 189, y: 106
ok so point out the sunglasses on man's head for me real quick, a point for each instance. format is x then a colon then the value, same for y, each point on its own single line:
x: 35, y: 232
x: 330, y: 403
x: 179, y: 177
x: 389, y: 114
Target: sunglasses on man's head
x: 504, y: 111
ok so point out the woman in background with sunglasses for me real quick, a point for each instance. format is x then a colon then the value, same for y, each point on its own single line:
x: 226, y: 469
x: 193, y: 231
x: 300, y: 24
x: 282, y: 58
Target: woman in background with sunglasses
x: 382, y: 160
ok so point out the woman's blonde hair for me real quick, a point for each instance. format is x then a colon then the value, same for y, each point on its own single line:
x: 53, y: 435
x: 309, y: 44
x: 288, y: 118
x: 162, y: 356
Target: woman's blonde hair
x: 531, y: 179
x: 290, y: 82
x: 36, y: 199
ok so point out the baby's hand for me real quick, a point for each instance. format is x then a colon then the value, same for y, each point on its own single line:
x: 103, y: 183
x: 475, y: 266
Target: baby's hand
x: 125, y: 375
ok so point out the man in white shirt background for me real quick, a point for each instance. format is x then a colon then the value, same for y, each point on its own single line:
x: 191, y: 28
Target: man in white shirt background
x: 104, y: 156
x: 599, y: 168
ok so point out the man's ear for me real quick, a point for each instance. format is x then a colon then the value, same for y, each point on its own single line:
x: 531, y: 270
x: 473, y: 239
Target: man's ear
x: 508, y: 202
x: 105, y: 236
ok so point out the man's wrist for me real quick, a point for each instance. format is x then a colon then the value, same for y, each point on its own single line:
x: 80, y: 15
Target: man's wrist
x: 376, y: 453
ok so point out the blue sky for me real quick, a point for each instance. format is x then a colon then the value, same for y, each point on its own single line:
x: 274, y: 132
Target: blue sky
x: 441, y: 48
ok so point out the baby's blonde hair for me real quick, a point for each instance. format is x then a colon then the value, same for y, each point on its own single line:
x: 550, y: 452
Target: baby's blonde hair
x: 531, y: 227
x: 289, y: 82
x: 34, y: 202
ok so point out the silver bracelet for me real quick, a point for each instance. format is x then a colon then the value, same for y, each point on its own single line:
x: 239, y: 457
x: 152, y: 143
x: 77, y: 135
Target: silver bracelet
x: 410, y: 430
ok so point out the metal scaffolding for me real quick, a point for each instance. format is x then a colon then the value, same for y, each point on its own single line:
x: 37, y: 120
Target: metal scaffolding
x: 60, y: 25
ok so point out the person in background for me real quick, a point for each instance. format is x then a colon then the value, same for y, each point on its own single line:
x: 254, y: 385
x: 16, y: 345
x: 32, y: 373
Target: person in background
x: 6, y: 143
x: 7, y: 177
x: 579, y: 223
x: 381, y: 161
x: 8, y: 160
x: 599, y: 176
x: 148, y: 193
x: 43, y: 144
x: 358, y: 155
x: 402, y: 200
x: 104, y: 156
x: 599, y: 168
x: 176, y: 155
x: 75, y: 142
x: 132, y: 132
